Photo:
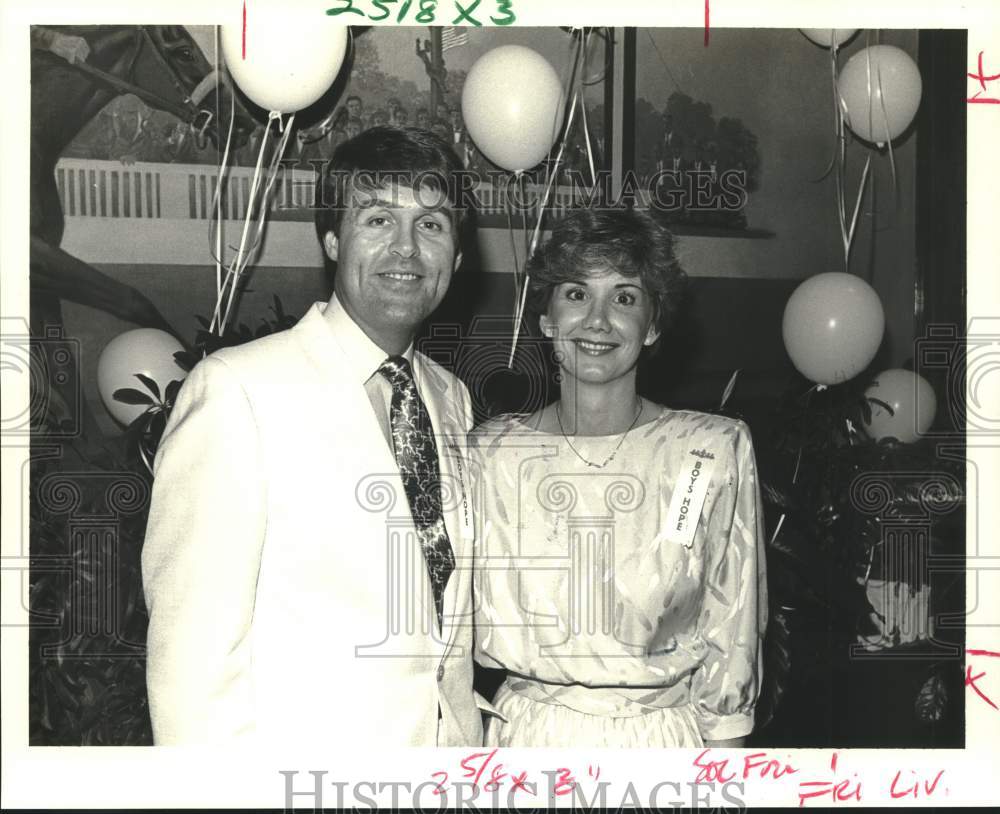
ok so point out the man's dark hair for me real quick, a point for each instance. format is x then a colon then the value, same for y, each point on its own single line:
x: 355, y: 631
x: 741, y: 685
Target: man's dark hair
x: 383, y: 155
x: 628, y: 241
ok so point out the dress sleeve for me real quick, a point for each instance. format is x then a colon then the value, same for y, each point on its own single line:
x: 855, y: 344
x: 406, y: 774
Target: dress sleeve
x: 201, y: 560
x: 733, y: 617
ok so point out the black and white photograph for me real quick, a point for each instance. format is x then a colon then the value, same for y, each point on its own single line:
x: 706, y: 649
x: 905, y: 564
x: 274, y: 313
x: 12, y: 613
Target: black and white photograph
x: 508, y: 397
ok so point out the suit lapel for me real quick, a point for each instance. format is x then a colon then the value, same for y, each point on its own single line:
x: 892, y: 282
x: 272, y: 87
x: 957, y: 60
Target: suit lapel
x: 353, y: 409
x: 348, y: 400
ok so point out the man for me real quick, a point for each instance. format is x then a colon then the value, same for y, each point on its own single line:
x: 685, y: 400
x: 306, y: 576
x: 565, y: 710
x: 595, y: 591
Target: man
x: 306, y: 581
x: 355, y: 107
x: 355, y: 127
x: 440, y: 129
x: 457, y: 125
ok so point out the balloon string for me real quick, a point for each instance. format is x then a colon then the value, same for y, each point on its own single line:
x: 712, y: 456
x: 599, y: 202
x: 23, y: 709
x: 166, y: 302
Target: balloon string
x: 242, y: 255
x: 874, y: 237
x: 574, y: 72
x: 145, y: 458
x: 857, y: 203
x: 571, y: 58
x: 521, y: 300
x: 777, y: 528
x: 243, y: 260
x: 885, y: 115
x: 223, y: 172
x: 798, y: 456
x: 868, y: 570
x: 840, y: 160
x: 272, y: 175
x: 510, y: 225
x: 523, y: 187
x: 583, y: 116
x: 218, y: 322
x: 606, y: 62
x: 519, y: 286
x: 728, y: 391
x: 556, y: 167
x: 816, y: 388
x: 215, y: 221
x: 888, y: 143
x: 216, y: 211
x: 552, y: 168
x: 555, y: 173
x: 836, y: 107
x: 216, y: 207
x: 587, y: 144
x: 522, y: 297
x: 868, y: 82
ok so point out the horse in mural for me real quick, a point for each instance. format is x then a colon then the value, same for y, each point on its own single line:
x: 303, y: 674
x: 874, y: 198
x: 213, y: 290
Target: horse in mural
x: 161, y: 65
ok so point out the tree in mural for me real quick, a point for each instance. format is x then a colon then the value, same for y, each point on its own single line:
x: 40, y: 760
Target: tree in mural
x: 692, y: 120
x: 727, y: 145
x: 649, y: 134
x: 737, y: 149
x: 685, y: 139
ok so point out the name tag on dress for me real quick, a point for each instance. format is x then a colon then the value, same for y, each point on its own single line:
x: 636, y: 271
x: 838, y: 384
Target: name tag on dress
x: 461, y: 497
x: 691, y: 486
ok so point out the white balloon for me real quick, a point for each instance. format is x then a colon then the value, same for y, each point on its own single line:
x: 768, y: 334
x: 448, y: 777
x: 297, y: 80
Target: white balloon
x: 512, y: 103
x: 148, y: 351
x: 827, y: 36
x: 293, y: 52
x: 832, y: 327
x: 879, y: 90
x: 913, y: 404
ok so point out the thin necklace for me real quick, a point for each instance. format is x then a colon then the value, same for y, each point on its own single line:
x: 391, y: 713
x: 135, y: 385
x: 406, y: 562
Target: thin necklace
x: 614, y: 452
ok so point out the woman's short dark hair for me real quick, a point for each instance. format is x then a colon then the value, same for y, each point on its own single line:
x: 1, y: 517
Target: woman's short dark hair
x: 628, y: 241
x: 383, y: 155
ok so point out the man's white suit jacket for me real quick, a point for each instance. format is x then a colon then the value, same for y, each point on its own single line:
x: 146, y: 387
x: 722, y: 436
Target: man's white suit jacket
x: 288, y: 596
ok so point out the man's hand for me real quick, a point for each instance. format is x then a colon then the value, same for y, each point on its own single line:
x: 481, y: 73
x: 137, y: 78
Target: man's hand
x: 70, y: 47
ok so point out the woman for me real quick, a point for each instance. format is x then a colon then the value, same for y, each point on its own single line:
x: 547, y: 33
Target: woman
x: 629, y: 607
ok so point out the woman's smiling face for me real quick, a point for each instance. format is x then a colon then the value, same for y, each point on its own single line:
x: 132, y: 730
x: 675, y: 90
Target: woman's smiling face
x: 599, y: 324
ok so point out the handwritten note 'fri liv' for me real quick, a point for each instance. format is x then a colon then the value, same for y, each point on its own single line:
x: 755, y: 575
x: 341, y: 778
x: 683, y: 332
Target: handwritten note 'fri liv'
x: 836, y: 786
x: 736, y: 775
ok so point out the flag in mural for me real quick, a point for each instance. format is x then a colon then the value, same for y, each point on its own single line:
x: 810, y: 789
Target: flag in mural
x: 452, y: 37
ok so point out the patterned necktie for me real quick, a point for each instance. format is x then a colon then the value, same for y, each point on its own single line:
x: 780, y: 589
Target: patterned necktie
x: 416, y: 456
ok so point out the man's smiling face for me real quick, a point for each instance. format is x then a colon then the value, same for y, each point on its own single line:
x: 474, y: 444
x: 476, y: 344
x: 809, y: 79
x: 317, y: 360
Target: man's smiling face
x: 395, y: 256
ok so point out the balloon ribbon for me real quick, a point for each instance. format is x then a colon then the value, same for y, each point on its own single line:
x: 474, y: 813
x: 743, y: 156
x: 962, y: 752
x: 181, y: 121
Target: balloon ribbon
x: 576, y: 80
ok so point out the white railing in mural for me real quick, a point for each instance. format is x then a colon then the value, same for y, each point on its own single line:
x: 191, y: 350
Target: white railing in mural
x: 110, y: 189
x: 168, y: 208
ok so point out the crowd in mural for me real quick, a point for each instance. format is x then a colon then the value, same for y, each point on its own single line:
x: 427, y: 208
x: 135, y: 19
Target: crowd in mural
x: 355, y: 116
x: 129, y: 131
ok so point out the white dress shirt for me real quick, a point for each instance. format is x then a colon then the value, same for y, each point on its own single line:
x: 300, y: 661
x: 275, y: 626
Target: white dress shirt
x: 365, y: 357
